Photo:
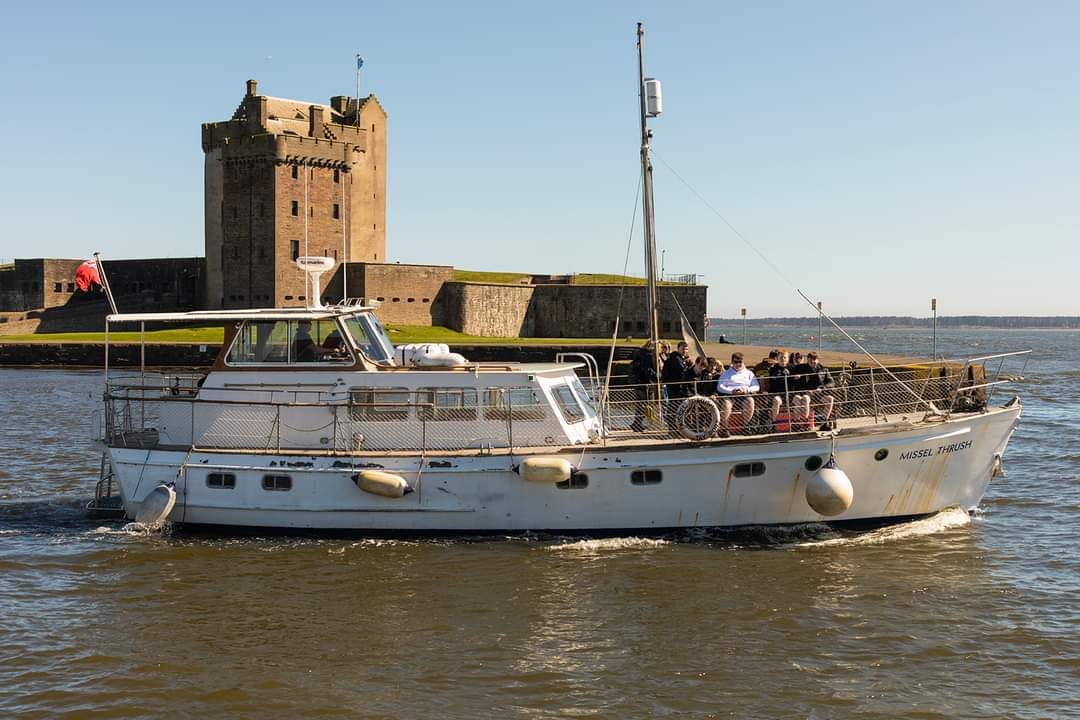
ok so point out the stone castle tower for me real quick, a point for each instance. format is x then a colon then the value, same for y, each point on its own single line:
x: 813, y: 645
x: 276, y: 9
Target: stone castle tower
x: 285, y: 178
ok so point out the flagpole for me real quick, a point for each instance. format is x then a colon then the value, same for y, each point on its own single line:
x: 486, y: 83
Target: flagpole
x: 359, y: 64
x: 105, y: 282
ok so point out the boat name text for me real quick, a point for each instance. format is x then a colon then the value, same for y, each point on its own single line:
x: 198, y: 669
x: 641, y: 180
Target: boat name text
x: 939, y: 450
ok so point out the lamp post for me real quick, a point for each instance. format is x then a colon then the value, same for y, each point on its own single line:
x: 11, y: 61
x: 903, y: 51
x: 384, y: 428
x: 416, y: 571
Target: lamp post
x: 819, y: 326
x: 933, y: 306
x: 744, y: 326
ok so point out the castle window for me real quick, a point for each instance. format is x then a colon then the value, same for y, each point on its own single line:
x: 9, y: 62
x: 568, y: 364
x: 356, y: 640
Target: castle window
x: 294, y: 172
x: 395, y: 299
x: 410, y: 299
x: 337, y: 211
x: 262, y: 210
x: 58, y: 287
x: 71, y: 287
x: 236, y: 253
x: 262, y: 253
x: 288, y: 297
x: 425, y: 300
x: 337, y: 175
x: 372, y: 127
x: 295, y: 208
x: 311, y: 211
x: 234, y: 213
x: 294, y: 248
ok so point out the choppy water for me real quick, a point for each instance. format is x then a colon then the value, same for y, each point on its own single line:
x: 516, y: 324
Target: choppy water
x: 945, y: 617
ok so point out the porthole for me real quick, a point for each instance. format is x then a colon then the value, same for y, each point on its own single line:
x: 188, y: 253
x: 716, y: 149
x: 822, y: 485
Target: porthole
x: 577, y: 481
x: 223, y: 481
x: 813, y: 463
x: 881, y: 454
x: 276, y: 482
x: 749, y: 469
x: 646, y: 477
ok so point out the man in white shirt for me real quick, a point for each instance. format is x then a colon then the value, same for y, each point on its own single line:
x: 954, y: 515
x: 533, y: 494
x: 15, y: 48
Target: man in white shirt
x: 740, y: 382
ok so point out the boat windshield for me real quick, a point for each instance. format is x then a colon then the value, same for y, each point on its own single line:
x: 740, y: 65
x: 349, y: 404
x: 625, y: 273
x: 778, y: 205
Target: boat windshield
x: 370, y: 337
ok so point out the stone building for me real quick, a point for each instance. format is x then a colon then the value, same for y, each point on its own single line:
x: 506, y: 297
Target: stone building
x: 285, y: 178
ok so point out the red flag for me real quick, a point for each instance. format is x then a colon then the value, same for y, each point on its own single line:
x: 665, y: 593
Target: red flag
x: 87, y: 275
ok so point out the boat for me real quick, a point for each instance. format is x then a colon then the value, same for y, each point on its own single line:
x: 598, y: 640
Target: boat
x: 310, y: 420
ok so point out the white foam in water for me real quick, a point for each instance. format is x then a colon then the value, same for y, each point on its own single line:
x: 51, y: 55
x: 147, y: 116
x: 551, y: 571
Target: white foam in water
x: 10, y: 532
x: 606, y: 544
x: 131, y: 529
x: 940, y: 522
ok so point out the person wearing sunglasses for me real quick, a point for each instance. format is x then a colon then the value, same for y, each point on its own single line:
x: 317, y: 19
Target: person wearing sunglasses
x: 738, y: 383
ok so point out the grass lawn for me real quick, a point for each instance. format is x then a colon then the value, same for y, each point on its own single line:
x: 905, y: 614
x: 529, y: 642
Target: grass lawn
x: 399, y: 335
x: 191, y: 335
x: 503, y: 278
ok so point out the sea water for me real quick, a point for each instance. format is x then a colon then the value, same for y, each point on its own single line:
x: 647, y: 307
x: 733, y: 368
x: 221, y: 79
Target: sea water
x: 951, y: 616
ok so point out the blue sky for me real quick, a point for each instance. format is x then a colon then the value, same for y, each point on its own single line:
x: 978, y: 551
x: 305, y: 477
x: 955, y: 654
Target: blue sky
x: 877, y: 153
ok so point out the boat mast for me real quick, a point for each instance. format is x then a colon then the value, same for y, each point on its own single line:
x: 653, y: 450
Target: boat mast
x: 647, y: 209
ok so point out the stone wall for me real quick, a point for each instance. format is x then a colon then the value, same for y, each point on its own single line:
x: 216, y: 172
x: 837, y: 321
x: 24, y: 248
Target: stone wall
x: 490, y: 310
x: 407, y: 294
x: 574, y: 311
x: 588, y: 311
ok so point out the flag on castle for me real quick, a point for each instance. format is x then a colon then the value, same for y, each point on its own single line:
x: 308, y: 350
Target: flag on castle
x: 87, y: 275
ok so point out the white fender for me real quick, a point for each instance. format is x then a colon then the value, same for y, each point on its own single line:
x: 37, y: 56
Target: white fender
x: 156, y: 506
x: 829, y: 491
x: 382, y: 483
x: 545, y: 469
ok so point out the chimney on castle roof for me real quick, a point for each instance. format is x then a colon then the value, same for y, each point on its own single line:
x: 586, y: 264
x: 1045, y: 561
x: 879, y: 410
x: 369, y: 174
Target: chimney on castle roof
x: 251, y: 84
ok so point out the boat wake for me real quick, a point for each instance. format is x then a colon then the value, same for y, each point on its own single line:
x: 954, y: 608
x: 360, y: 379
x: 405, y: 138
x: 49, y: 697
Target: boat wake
x: 133, y: 529
x: 937, y: 523
x: 608, y: 544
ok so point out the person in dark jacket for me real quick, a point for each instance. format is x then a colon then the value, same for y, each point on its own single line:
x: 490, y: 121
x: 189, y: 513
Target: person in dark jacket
x: 783, y: 386
x: 676, y: 373
x: 815, y: 385
x: 643, y: 380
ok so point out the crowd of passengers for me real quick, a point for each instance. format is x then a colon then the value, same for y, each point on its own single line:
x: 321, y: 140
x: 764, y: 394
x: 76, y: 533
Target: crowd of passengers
x: 797, y: 393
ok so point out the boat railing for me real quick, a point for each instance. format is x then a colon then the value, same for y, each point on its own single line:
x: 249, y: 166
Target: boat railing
x: 147, y: 411
x: 145, y: 415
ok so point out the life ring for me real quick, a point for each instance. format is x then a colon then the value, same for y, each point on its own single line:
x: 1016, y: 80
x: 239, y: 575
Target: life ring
x: 698, y: 417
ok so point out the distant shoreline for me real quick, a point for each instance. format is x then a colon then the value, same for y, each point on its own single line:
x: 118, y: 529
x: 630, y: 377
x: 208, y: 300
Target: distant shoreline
x: 886, y: 322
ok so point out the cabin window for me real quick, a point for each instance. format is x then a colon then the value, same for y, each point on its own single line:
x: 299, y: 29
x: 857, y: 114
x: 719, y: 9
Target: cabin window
x: 446, y: 404
x: 749, y: 469
x: 519, y: 403
x: 813, y: 463
x: 223, y: 481
x: 261, y: 342
x: 571, y: 410
x: 646, y: 477
x: 369, y: 335
x: 379, y: 404
x: 577, y: 481
x: 583, y: 395
x: 277, y: 482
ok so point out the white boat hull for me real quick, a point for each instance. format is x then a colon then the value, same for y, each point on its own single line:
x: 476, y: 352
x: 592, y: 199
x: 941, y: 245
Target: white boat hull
x: 928, y: 467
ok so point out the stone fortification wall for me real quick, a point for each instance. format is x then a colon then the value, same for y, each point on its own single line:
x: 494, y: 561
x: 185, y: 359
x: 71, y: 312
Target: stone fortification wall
x: 406, y: 294
x: 589, y: 310
x: 490, y: 310
x: 43, y: 291
x: 582, y: 311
